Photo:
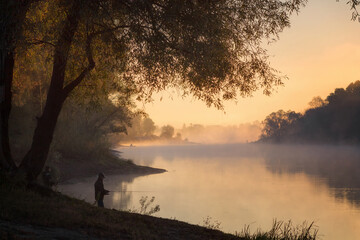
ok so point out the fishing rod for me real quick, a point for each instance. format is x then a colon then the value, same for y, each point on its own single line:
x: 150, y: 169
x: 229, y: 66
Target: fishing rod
x: 131, y: 191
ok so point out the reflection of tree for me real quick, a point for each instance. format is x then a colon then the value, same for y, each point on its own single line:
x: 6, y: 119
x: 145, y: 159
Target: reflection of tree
x: 338, y: 166
x: 121, y: 199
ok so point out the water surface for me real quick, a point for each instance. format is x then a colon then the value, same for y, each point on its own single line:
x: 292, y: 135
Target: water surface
x: 243, y: 184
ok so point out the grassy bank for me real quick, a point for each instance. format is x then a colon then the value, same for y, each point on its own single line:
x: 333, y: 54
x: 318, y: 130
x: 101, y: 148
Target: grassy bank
x: 38, y: 213
x: 23, y: 206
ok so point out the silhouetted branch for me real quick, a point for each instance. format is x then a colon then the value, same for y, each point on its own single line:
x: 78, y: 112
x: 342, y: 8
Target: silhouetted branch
x: 82, y: 75
x: 38, y: 42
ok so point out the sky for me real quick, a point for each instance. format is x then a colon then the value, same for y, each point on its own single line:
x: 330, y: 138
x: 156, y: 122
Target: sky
x: 318, y: 53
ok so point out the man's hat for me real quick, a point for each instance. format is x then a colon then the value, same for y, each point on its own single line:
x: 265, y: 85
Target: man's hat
x: 101, y: 175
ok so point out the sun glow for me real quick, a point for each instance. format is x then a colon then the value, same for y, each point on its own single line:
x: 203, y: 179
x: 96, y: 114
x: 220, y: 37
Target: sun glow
x: 320, y: 52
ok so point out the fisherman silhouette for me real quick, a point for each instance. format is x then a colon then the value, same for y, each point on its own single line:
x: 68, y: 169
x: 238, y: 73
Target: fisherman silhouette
x: 100, y: 192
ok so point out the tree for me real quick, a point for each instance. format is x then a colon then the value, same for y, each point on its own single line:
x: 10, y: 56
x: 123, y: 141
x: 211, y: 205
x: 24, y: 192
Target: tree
x: 12, y: 17
x: 148, y: 126
x: 317, y: 102
x: 354, y: 4
x: 167, y: 132
x: 337, y: 96
x: 276, y: 124
x: 211, y: 49
x: 333, y: 122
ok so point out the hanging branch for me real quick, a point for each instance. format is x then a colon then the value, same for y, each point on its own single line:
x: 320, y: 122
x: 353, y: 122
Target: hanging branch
x: 68, y: 88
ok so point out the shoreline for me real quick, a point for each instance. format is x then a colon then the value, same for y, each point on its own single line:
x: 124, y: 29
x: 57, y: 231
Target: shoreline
x: 44, y: 214
x: 30, y: 213
x: 109, y: 164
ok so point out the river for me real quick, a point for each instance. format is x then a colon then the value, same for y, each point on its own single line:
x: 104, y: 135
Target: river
x: 242, y: 184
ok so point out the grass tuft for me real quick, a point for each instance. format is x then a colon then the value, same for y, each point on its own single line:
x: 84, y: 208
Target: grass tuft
x: 282, y: 231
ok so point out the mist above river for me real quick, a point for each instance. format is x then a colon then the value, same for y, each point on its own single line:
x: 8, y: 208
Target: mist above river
x: 238, y: 184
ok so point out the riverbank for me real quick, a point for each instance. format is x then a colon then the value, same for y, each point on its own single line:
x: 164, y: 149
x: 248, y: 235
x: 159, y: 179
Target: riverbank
x: 33, y: 213
x: 110, y: 163
x: 39, y: 213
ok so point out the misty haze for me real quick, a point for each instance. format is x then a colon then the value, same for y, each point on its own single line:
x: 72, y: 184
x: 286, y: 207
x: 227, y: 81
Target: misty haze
x: 180, y: 120
x: 244, y: 183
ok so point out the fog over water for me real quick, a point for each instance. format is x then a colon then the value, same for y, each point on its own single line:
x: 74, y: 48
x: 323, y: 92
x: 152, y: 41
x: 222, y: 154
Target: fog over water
x: 217, y: 134
x: 238, y: 184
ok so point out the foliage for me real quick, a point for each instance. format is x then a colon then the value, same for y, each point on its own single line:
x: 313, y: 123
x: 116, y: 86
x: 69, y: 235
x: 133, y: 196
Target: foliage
x: 209, y: 223
x: 81, y: 132
x: 282, y: 231
x: 353, y: 6
x: 143, y: 129
x: 335, y: 120
x: 211, y: 49
x: 140, y: 126
x: 145, y: 203
x: 148, y: 126
x: 276, y: 124
x: 317, y: 102
x: 88, y: 129
x: 167, y: 132
x: 98, y: 107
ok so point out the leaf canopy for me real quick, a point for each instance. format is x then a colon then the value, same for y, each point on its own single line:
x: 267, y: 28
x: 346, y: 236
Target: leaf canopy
x: 211, y: 49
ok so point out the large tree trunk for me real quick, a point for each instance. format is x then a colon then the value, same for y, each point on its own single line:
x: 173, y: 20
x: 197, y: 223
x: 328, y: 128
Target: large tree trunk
x: 6, y: 83
x: 35, y: 159
x: 12, y: 17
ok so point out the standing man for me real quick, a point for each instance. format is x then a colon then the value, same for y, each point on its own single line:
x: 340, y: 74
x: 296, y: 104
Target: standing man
x: 100, y: 192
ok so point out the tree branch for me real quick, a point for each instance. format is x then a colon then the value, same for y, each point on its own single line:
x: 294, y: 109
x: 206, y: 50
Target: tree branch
x: 68, y: 88
x: 157, y: 29
x: 106, y: 119
x: 38, y: 41
x: 110, y: 30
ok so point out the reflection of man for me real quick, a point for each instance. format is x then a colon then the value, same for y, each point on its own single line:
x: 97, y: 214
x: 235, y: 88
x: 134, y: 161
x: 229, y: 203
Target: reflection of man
x: 100, y: 192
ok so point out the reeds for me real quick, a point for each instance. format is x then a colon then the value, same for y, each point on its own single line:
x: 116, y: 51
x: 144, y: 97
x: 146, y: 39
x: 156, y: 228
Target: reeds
x: 282, y: 231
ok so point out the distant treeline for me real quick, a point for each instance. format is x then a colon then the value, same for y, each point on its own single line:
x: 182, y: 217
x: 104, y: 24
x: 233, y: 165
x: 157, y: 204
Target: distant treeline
x: 333, y: 120
x: 143, y: 130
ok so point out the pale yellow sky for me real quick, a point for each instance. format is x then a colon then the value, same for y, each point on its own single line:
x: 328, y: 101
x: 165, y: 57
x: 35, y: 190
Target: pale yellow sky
x: 320, y: 52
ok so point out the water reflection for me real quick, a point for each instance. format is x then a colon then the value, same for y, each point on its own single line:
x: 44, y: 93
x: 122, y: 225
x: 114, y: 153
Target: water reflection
x: 337, y: 166
x: 120, y: 197
x: 247, y: 184
x: 252, y: 184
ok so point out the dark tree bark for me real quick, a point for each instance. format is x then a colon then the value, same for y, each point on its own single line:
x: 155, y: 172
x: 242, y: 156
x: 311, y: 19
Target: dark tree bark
x: 36, y: 157
x: 12, y: 18
x: 6, y: 83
